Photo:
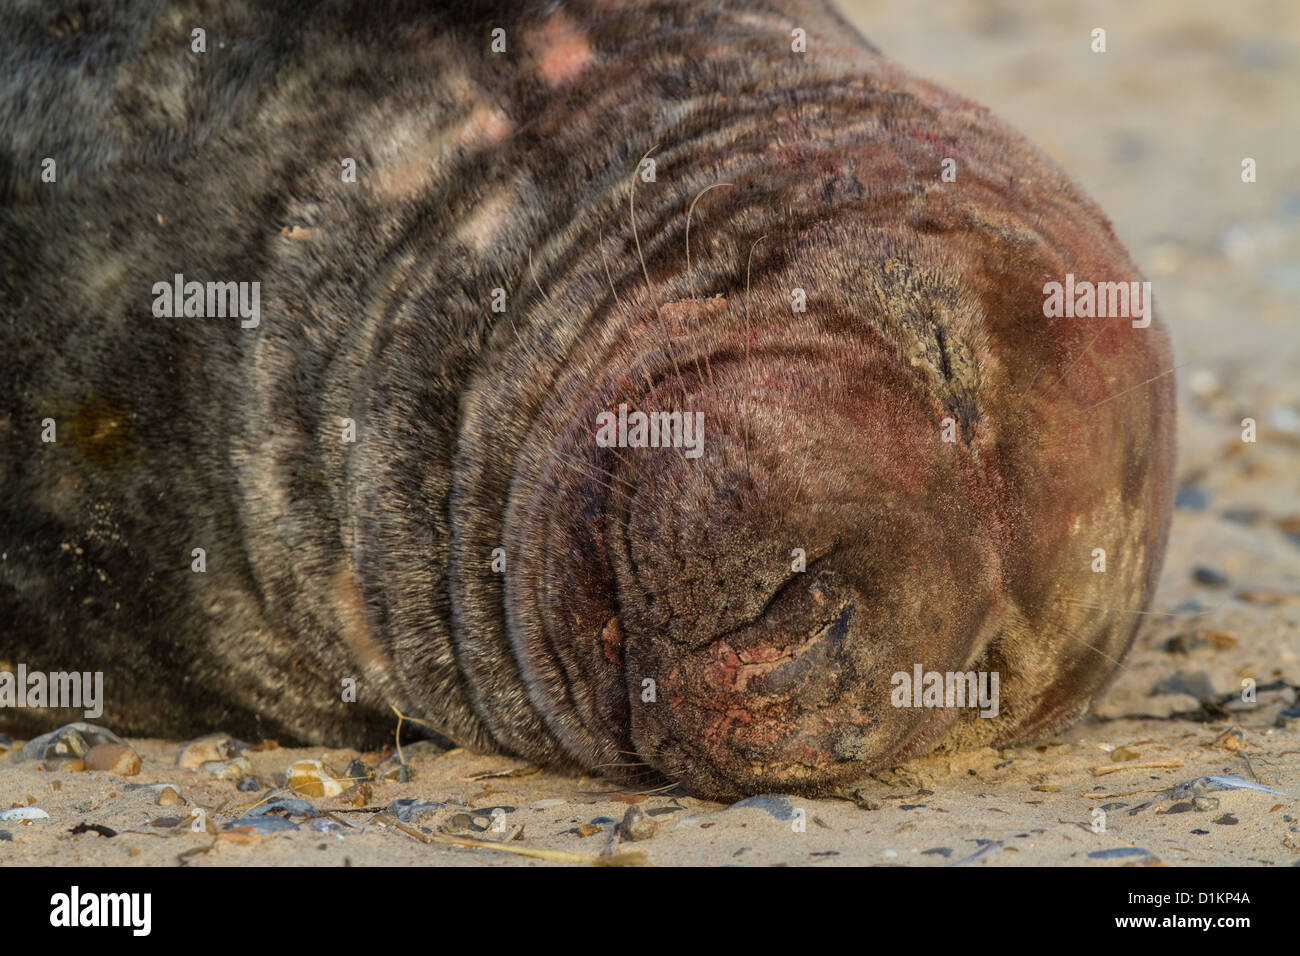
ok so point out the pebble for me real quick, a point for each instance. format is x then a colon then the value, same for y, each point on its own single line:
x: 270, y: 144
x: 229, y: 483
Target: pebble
x: 396, y: 772
x: 169, y: 797
x: 358, y: 772
x: 1209, y: 577
x: 1195, y: 684
x: 776, y: 804
x: 5, y: 743
x: 358, y: 795
x: 263, y: 824
x: 1247, y: 516
x: 1232, y: 739
x: 1205, y: 803
x: 1203, y: 383
x: 1191, y: 498
x: 1285, y: 419
x: 68, y: 764
x: 410, y: 810
x: 70, y: 740
x: 1118, y: 852
x: 213, y: 747
x: 290, y: 808
x: 248, y: 785
x: 1198, y: 640
x: 943, y: 851
x: 24, y: 813
x: 636, y: 826
x: 325, y: 825
x: 114, y: 758
x: 465, y: 824
x: 890, y: 854
x: 6, y: 836
x: 1227, y: 820
x: 169, y: 823
x: 311, y: 778
x: 236, y: 769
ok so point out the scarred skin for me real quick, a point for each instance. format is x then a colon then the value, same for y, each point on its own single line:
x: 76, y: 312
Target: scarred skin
x: 650, y: 622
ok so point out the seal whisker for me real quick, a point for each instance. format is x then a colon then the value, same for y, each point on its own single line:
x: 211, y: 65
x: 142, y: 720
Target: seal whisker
x: 748, y: 332
x: 654, y: 791
x: 631, y: 208
x: 581, y: 468
x: 1174, y: 614
x: 748, y: 263
x: 1153, y: 378
x: 603, y: 259
x: 1061, y: 375
x: 401, y: 717
x: 690, y: 276
x: 533, y: 273
x: 1075, y: 637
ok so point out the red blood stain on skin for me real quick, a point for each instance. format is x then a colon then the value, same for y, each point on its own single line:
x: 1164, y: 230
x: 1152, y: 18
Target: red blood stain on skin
x: 611, y: 639
x: 561, y: 49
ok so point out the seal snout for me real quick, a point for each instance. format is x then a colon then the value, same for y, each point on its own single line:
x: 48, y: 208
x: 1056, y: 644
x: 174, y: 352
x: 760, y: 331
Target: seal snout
x: 770, y: 591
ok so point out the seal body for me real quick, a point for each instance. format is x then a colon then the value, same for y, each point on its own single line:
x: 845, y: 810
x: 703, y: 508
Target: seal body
x: 470, y: 243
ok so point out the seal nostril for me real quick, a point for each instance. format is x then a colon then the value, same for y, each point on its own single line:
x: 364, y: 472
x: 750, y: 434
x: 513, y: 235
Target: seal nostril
x: 840, y: 627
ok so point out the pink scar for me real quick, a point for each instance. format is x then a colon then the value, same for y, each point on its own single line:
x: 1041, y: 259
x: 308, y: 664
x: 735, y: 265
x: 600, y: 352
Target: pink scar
x: 561, y: 50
